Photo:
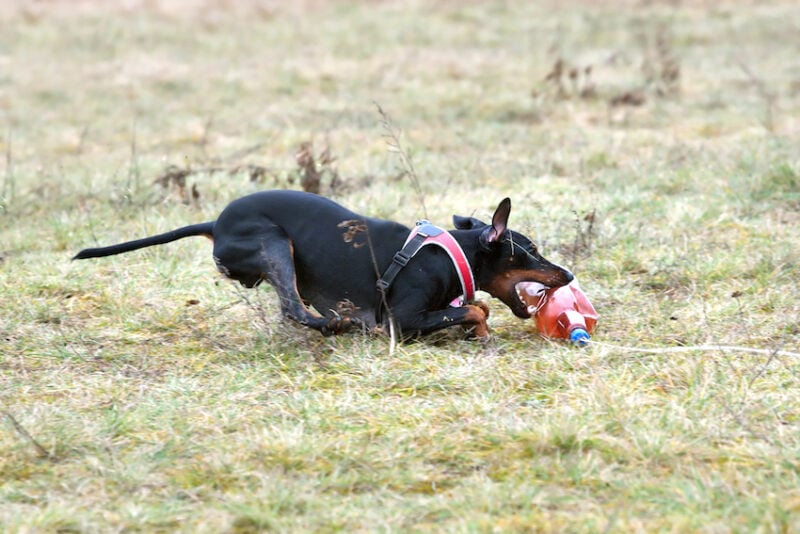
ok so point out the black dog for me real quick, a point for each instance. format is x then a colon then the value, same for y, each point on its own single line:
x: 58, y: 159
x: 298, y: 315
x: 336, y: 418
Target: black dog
x: 314, y: 251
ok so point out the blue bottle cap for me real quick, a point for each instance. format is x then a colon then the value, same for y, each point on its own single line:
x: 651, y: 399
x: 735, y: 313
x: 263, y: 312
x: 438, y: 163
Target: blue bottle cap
x: 579, y: 336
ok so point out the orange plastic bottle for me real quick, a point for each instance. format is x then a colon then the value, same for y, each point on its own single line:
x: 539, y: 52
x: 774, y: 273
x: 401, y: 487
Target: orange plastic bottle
x: 561, y: 312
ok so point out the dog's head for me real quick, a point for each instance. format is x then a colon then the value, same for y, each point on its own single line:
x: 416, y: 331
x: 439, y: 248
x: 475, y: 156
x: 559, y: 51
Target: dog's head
x: 504, y: 258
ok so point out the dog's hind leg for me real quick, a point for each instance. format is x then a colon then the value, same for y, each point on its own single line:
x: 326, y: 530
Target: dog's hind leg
x: 274, y: 262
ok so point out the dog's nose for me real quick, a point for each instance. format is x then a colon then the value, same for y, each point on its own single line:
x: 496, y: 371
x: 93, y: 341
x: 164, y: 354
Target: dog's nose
x: 567, y: 275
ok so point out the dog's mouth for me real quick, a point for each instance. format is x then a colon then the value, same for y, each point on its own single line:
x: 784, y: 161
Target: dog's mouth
x: 530, y: 296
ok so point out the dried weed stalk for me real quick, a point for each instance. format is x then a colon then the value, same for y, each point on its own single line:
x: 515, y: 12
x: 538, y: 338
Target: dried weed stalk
x: 315, y: 172
x: 41, y: 452
x: 9, y: 181
x: 571, y: 81
x: 174, y: 177
x: 768, y: 96
x: 660, y: 71
x: 358, y: 227
x: 585, y: 234
x: 661, y: 68
x: 133, y: 182
x: 392, y: 136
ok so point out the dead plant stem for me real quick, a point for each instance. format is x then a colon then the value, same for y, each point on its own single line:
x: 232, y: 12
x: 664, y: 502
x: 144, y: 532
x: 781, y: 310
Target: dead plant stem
x: 40, y: 451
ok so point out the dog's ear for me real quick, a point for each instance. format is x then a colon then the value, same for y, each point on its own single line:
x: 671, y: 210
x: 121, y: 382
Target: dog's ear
x: 499, y: 223
x: 466, y: 223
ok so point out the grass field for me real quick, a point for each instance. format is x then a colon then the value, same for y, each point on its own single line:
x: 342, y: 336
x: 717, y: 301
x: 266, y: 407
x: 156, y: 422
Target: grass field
x: 652, y: 147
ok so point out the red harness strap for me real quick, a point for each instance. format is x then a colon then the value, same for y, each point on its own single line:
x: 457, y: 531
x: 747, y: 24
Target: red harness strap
x: 443, y: 239
x: 426, y: 234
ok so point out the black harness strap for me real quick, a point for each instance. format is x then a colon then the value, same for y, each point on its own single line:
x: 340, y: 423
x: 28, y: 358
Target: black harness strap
x: 400, y: 260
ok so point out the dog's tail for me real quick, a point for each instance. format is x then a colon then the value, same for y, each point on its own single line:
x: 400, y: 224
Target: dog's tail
x: 206, y: 229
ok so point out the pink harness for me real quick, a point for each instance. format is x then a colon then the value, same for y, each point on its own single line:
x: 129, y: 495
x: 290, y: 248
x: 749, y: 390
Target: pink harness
x: 443, y: 239
x: 423, y: 234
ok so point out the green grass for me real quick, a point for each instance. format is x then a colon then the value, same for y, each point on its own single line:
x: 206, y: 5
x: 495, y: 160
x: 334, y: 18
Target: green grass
x: 145, y: 393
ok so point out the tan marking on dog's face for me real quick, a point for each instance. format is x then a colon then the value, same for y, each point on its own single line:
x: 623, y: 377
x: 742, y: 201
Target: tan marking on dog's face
x: 503, y: 285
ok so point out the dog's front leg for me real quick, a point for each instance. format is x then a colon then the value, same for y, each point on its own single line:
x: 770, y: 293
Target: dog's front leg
x: 480, y: 328
x: 472, y: 316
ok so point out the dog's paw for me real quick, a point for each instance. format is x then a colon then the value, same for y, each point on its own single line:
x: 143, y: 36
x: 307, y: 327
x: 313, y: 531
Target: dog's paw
x: 336, y: 326
x: 484, y: 341
x: 340, y: 325
x: 475, y: 320
x: 483, y: 306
